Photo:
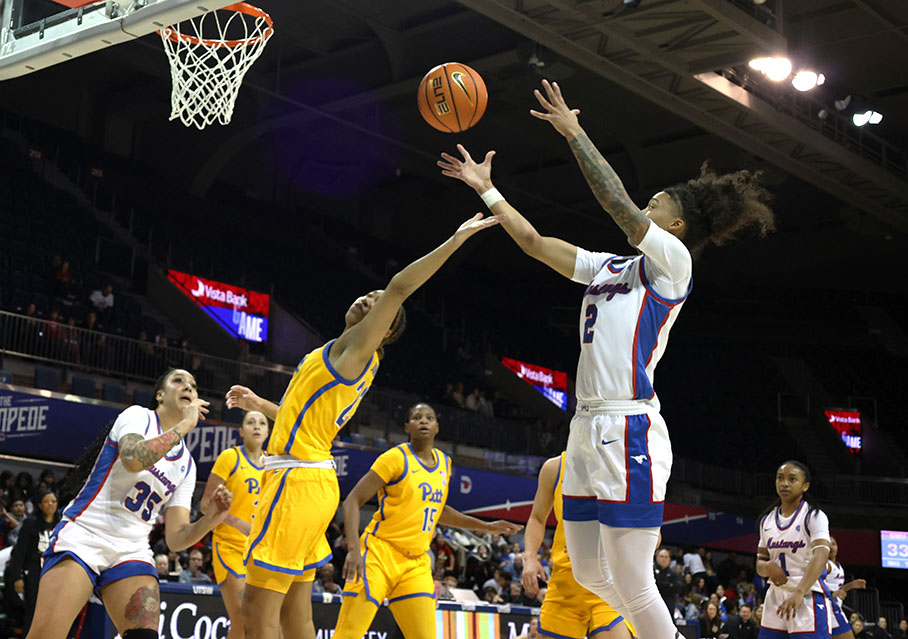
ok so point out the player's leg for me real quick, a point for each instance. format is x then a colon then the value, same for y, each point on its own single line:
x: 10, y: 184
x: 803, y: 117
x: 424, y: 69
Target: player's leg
x: 232, y: 593
x: 356, y: 615
x: 606, y: 623
x: 62, y: 592
x: 415, y: 616
x: 630, y: 552
x: 296, y: 612
x: 133, y: 603
x: 262, y: 611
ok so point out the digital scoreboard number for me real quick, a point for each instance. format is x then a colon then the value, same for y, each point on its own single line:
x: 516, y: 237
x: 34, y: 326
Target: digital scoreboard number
x: 894, y: 548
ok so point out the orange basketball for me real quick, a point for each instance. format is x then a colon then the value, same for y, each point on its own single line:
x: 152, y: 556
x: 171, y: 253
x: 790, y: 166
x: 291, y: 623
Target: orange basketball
x: 452, y: 97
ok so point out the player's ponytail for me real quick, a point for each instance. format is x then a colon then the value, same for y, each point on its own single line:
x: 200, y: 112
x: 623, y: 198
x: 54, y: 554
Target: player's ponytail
x: 73, y: 481
x: 717, y: 208
x: 397, y: 329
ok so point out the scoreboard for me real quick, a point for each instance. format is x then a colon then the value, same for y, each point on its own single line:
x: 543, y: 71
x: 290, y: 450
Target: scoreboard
x: 894, y: 548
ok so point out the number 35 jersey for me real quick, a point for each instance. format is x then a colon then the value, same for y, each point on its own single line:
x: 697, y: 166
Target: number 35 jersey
x: 124, y: 505
x: 318, y: 402
x: 411, y: 501
x: 629, y: 306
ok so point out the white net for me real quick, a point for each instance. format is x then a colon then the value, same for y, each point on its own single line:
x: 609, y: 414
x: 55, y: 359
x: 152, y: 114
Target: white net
x: 207, y: 71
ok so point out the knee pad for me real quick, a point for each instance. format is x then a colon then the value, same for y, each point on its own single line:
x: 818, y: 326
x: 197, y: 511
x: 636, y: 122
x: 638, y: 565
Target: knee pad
x: 141, y: 633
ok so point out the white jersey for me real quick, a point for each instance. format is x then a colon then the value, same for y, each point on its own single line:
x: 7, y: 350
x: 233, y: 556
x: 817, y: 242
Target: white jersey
x: 123, y: 504
x: 628, y: 310
x: 788, y: 541
x: 835, y: 576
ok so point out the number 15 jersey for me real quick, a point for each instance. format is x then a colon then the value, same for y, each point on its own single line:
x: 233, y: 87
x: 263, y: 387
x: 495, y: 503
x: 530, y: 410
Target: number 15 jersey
x: 122, y: 504
x: 412, y: 499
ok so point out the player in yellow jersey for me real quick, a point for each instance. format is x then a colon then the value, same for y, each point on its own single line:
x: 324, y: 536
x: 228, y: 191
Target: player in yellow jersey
x: 239, y: 468
x: 569, y: 611
x: 299, y: 493
x: 411, y: 481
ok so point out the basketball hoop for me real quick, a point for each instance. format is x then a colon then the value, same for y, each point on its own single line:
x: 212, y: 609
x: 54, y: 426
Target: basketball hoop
x: 207, y: 72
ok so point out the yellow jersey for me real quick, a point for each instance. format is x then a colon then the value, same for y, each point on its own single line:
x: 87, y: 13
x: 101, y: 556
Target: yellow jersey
x: 412, y: 499
x: 318, y: 402
x: 243, y: 477
x: 560, y: 559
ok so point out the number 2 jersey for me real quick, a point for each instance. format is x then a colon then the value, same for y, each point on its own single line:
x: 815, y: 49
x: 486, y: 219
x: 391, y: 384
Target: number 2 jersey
x: 628, y: 309
x: 788, y: 541
x: 123, y: 505
x: 318, y: 402
x: 411, y: 500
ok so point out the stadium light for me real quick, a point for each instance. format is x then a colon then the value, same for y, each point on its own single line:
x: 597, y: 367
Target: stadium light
x: 867, y: 117
x: 776, y: 69
x: 807, y: 80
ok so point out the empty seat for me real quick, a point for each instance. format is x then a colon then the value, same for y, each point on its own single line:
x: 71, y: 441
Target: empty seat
x: 380, y: 443
x: 113, y: 392
x: 143, y: 396
x: 356, y: 438
x: 5, y: 376
x: 83, y: 386
x: 48, y: 378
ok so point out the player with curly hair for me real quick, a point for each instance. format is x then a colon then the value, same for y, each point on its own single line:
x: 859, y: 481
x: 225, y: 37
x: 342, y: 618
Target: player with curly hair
x: 619, y: 455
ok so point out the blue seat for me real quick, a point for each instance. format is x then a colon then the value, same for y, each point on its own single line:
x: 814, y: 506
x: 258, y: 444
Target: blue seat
x: 113, y: 392
x: 380, y: 443
x: 5, y: 376
x: 143, y: 396
x: 48, y: 378
x: 83, y: 386
x: 356, y: 438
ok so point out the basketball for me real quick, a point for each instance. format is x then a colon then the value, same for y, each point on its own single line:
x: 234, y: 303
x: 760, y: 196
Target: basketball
x: 452, y: 97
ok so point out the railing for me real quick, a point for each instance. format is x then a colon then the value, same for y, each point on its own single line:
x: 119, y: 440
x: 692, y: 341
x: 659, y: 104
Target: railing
x: 116, y: 356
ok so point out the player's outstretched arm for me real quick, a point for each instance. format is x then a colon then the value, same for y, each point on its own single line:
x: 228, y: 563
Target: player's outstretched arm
x: 532, y: 538
x: 138, y: 453
x: 604, y: 182
x: 365, y: 488
x: 557, y: 254
x: 456, y: 519
x: 243, y: 397
x: 353, y: 349
x: 180, y: 534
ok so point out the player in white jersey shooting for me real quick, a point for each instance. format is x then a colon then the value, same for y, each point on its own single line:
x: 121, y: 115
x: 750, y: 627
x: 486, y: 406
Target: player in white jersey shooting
x: 836, y: 589
x: 619, y: 455
x: 792, y: 553
x: 141, y: 466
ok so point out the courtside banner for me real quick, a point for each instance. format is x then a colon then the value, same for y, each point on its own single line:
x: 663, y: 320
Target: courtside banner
x: 241, y: 312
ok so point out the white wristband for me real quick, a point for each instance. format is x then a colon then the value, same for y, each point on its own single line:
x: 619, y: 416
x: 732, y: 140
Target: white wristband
x: 491, y: 196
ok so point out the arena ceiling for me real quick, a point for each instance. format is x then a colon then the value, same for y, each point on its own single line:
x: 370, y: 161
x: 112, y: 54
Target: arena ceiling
x: 328, y: 117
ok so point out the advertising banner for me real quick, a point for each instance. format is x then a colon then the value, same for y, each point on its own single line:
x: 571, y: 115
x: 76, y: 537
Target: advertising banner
x: 243, y: 313
x: 549, y: 382
x: 847, y: 423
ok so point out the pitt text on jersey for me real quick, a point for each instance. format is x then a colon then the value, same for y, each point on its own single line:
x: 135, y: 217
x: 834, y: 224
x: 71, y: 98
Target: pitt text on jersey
x: 428, y: 494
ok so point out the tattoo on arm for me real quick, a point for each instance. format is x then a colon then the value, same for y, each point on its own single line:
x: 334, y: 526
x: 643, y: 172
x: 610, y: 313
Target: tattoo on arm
x: 144, y: 608
x: 134, y: 448
x: 608, y: 189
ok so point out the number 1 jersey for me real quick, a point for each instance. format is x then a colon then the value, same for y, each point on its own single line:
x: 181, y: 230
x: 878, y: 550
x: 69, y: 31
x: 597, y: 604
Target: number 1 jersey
x: 124, y: 505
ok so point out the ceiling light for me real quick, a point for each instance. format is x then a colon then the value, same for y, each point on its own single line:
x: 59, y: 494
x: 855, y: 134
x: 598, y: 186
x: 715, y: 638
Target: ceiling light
x: 778, y: 69
x: 867, y: 117
x: 805, y: 80
x: 759, y: 64
x: 841, y: 105
x: 821, y: 79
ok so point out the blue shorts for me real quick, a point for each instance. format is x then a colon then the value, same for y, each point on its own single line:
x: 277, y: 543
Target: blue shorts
x: 840, y: 624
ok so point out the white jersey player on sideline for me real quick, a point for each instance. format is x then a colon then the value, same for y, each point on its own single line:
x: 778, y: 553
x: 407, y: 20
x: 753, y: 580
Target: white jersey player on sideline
x: 141, y: 467
x: 836, y: 589
x: 792, y: 553
x: 619, y: 456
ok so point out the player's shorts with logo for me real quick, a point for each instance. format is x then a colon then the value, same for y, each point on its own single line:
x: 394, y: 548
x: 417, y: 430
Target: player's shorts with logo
x: 571, y: 611
x: 813, y: 619
x: 287, y: 543
x: 619, y: 458
x: 104, y: 558
x: 391, y: 573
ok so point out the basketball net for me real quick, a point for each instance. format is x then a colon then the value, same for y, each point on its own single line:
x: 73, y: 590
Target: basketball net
x: 207, y: 71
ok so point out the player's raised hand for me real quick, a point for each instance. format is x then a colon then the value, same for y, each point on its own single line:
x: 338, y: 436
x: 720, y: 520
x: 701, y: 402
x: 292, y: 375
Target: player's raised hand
x: 473, y: 226
x: 476, y: 176
x: 241, y: 397
x: 557, y: 112
x: 502, y: 527
x: 353, y: 565
x: 532, y: 573
x: 194, y: 412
